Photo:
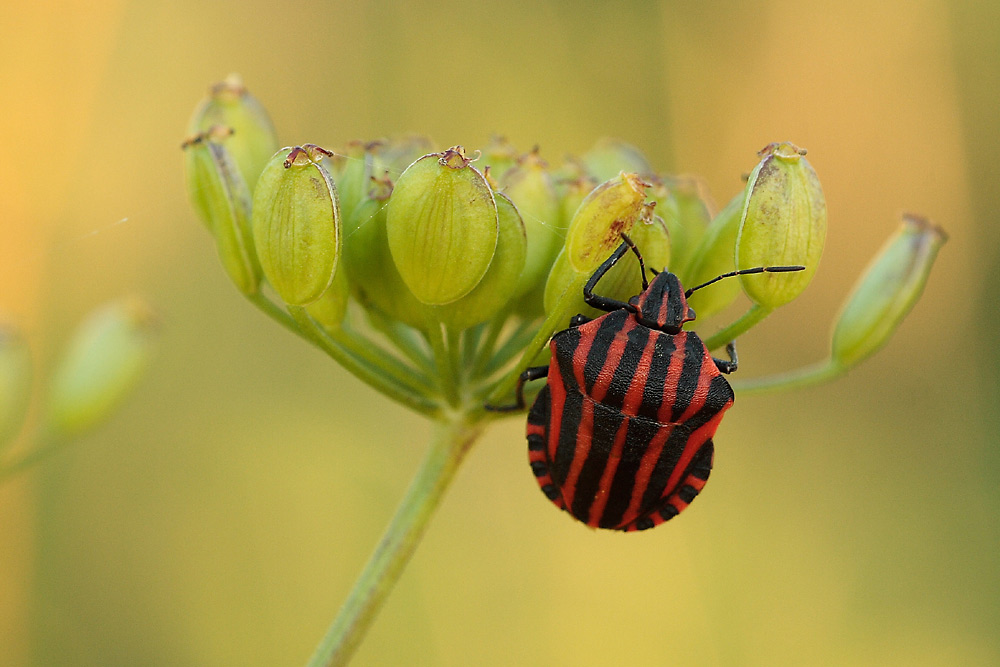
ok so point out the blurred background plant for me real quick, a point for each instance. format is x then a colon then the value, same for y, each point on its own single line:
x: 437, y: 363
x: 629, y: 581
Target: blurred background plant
x: 101, y: 364
x: 822, y: 535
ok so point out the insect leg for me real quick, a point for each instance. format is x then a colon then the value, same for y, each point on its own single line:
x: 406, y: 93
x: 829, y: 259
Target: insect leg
x: 731, y: 365
x: 604, y: 303
x: 533, y: 373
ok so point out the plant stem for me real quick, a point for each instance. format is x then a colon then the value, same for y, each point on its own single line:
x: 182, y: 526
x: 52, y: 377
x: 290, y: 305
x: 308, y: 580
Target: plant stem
x: 738, y: 328
x: 796, y: 379
x: 275, y: 312
x: 414, y: 397
x: 443, y: 360
x: 386, y: 564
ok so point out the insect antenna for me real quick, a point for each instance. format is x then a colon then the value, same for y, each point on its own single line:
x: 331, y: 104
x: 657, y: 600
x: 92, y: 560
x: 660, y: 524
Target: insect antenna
x: 743, y: 272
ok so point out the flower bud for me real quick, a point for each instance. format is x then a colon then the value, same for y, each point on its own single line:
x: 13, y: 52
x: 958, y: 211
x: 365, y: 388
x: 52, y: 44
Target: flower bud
x: 102, y: 363
x: 498, y: 285
x: 15, y: 382
x: 296, y: 224
x: 530, y: 188
x: 784, y: 223
x: 715, y: 255
x: 609, y: 157
x: 220, y: 197
x: 442, y: 227
x: 886, y: 291
x: 254, y: 141
x: 604, y: 215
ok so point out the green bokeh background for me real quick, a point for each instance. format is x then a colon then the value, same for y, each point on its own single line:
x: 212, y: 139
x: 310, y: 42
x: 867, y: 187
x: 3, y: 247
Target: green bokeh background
x: 221, y: 517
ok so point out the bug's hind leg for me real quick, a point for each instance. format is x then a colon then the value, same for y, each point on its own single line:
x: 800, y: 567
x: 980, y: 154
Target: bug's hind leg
x: 683, y: 495
x: 731, y: 365
x: 533, y: 373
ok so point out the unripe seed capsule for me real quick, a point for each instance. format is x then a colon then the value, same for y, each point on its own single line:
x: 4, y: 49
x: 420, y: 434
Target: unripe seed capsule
x: 102, y: 363
x: 783, y: 223
x: 497, y: 286
x: 296, y: 224
x: 609, y: 157
x: 254, y: 139
x: 715, y: 256
x: 442, y: 227
x: 681, y: 203
x: 604, y: 215
x: 887, y: 291
x: 222, y: 200
x: 531, y: 189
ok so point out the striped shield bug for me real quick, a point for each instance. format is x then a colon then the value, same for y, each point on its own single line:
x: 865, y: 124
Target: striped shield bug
x: 621, y: 435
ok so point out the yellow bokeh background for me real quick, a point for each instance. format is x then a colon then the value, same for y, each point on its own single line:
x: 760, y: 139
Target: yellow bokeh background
x: 221, y: 517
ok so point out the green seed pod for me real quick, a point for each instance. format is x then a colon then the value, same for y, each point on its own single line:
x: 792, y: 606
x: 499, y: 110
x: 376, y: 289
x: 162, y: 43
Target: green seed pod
x: 296, y: 224
x: 500, y: 156
x: 497, y: 286
x: 398, y: 153
x: 530, y: 188
x: 609, y: 157
x: 442, y: 227
x: 352, y: 170
x: 784, y: 223
x: 372, y: 274
x: 15, y: 382
x: 220, y: 197
x: 254, y: 141
x: 624, y: 280
x: 716, y: 255
x: 604, y: 215
x: 651, y: 236
x: 102, y: 363
x: 329, y: 309
x: 572, y: 191
x: 887, y: 291
x: 680, y: 200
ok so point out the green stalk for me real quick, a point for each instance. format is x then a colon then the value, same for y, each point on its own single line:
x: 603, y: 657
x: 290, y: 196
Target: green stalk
x: 443, y: 360
x: 796, y: 379
x: 386, y: 564
x: 749, y: 319
x: 274, y: 311
x: 405, y: 339
x: 414, y: 397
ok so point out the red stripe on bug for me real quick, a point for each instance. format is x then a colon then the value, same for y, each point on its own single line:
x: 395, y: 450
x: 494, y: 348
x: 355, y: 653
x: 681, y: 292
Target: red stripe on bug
x: 646, y: 467
x: 665, y: 414
x: 699, y: 437
x: 584, y: 440
x: 615, y: 351
x: 607, y: 475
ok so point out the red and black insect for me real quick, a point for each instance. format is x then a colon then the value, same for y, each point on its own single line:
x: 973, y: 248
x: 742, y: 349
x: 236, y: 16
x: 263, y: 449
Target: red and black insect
x: 621, y: 435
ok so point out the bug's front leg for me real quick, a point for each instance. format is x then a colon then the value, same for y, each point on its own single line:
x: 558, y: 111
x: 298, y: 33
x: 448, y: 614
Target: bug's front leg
x: 732, y: 364
x: 533, y: 373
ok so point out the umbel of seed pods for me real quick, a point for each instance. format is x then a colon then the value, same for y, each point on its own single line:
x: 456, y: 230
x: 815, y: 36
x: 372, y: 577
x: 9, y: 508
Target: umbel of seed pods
x: 447, y: 279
